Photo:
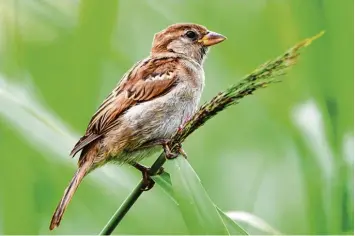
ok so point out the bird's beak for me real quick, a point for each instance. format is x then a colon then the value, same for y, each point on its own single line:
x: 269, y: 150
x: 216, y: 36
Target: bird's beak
x: 212, y: 38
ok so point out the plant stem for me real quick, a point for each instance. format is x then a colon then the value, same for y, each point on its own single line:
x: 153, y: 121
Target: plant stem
x: 131, y: 199
x: 121, y: 212
x: 259, y: 78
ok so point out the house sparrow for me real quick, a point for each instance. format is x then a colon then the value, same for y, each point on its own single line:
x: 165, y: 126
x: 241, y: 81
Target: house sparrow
x: 153, y: 99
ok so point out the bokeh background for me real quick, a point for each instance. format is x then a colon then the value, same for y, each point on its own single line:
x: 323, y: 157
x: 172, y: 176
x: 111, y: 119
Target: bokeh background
x: 284, y: 154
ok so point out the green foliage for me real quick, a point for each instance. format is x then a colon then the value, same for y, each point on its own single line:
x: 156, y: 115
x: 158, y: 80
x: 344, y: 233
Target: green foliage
x: 199, y: 213
x: 193, y: 201
x: 284, y: 154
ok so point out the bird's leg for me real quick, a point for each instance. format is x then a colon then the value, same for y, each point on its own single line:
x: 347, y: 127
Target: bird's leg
x: 147, y: 180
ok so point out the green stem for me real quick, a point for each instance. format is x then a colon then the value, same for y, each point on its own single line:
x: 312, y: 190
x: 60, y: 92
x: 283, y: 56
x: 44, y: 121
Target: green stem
x: 131, y: 199
x: 122, y: 211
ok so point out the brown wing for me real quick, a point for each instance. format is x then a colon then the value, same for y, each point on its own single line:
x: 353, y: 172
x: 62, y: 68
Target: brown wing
x: 147, y: 80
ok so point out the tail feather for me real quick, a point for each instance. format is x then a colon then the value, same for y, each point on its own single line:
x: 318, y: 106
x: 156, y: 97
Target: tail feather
x: 68, y: 194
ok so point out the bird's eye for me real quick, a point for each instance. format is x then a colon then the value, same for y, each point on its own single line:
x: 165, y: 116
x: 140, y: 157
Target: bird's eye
x: 191, y: 34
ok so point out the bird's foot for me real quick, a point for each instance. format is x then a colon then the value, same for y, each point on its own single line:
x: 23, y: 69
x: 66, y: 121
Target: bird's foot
x: 172, y: 155
x: 148, y: 182
x: 182, y: 152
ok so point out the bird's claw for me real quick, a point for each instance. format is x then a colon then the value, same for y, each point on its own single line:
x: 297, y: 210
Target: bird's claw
x: 182, y: 152
x: 148, y: 182
x: 172, y: 155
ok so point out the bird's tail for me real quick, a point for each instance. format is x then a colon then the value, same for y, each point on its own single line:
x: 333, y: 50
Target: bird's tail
x: 69, y: 192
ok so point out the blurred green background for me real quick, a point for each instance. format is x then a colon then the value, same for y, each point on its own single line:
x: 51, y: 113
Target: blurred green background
x: 284, y: 154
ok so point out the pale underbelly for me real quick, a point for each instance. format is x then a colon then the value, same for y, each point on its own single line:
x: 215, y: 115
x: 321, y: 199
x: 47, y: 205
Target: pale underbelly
x: 152, y: 121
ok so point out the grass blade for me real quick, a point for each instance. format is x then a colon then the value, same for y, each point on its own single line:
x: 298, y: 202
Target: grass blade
x: 233, y: 227
x: 164, y: 182
x: 253, y: 221
x: 198, y: 211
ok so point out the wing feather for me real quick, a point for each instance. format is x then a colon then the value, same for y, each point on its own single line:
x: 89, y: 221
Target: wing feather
x: 147, y: 80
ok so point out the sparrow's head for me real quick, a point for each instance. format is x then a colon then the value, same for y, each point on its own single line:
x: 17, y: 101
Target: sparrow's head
x: 188, y: 39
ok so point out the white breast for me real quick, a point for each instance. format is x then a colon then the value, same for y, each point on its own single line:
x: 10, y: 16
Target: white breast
x: 161, y: 117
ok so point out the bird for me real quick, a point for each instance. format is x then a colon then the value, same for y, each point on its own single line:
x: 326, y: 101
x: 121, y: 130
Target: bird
x: 149, y: 104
